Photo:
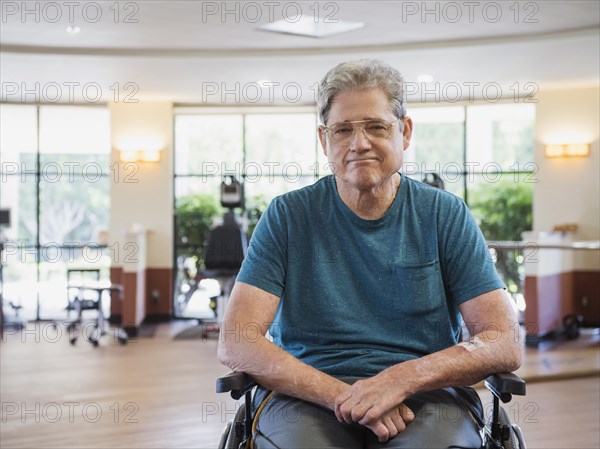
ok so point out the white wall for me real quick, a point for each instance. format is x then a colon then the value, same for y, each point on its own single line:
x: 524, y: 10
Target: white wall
x: 568, y: 189
x: 143, y: 192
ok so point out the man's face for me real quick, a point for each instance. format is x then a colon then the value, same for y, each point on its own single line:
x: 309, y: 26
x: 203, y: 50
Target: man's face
x: 362, y: 162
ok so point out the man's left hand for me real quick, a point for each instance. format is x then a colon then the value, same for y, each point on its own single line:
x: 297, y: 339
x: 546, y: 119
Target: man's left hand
x: 366, y: 401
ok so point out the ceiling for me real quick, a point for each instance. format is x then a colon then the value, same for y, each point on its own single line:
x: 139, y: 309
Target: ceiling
x: 213, y: 52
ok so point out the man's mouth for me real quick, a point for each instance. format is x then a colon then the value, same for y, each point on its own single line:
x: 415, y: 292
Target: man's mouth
x: 362, y: 160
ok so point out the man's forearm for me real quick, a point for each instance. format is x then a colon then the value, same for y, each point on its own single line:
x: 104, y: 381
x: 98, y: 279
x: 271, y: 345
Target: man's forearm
x: 279, y: 371
x: 243, y: 347
x: 460, y: 365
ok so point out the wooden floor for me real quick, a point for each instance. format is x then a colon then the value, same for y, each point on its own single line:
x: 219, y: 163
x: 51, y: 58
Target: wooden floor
x: 159, y: 393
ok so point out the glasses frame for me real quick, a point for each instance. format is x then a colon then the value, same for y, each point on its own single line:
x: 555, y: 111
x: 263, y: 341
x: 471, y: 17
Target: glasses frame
x: 326, y: 129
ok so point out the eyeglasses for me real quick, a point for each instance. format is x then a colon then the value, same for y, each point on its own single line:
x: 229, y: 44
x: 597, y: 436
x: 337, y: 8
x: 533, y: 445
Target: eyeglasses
x: 344, y: 132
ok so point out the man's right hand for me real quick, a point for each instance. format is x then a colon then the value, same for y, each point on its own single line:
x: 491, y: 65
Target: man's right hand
x: 391, y: 423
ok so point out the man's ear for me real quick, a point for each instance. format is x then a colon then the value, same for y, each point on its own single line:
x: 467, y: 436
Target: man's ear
x: 408, y: 129
x: 322, y: 139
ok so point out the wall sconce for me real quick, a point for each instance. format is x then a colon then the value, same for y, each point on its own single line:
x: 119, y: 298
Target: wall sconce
x: 568, y: 150
x: 140, y: 155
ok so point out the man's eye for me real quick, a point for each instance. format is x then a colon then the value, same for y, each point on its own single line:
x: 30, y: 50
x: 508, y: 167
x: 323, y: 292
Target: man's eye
x: 343, y: 130
x: 376, y: 127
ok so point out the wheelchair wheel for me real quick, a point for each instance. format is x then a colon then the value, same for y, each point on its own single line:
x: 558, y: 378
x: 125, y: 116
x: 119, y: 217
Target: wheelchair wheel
x: 224, y: 435
x: 236, y: 431
x: 519, y: 434
x: 512, y: 442
x: 515, y: 435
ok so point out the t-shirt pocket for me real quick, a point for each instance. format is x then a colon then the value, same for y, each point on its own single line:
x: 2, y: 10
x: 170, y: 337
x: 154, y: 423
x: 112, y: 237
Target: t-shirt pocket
x: 418, y: 289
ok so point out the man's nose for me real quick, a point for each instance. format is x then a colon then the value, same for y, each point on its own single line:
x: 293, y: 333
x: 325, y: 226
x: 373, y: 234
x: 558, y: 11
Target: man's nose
x: 359, y: 141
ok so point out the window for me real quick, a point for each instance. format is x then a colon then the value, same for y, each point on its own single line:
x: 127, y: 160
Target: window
x: 472, y: 147
x: 55, y: 181
x: 271, y: 152
x: 438, y: 145
x: 482, y: 152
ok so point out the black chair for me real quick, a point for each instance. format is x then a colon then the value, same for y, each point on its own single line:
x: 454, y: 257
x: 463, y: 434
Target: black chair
x: 224, y: 252
x: 434, y: 180
x: 499, y: 433
x: 225, y: 249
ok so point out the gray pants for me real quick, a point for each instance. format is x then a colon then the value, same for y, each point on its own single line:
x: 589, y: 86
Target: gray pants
x: 442, y: 419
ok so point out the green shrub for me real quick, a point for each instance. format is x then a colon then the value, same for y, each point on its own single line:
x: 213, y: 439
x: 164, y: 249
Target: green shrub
x: 503, y: 211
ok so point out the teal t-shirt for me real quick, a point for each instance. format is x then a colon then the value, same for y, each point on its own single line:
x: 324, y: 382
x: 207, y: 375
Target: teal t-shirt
x: 357, y: 296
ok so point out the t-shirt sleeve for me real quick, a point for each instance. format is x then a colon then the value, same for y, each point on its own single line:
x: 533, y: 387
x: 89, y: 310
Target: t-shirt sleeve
x: 469, y: 269
x: 266, y: 259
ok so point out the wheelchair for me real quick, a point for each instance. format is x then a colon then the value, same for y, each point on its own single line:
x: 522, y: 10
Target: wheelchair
x: 498, y: 433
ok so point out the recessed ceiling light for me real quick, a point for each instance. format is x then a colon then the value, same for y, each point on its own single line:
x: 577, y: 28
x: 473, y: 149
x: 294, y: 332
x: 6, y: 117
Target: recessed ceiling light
x: 425, y: 78
x: 73, y: 30
x: 307, y: 26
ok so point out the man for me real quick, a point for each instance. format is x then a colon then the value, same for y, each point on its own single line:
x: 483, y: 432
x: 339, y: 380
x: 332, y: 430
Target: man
x: 361, y: 279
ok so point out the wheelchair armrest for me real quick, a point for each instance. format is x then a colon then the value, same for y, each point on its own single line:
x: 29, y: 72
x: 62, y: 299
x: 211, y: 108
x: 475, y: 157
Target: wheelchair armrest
x: 237, y: 383
x: 504, y: 385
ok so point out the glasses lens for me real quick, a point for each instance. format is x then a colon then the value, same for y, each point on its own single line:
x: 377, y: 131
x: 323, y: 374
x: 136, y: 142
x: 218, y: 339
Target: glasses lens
x: 378, y: 129
x: 341, y: 132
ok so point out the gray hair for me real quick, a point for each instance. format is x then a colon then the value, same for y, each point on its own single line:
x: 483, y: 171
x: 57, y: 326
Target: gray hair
x: 362, y: 74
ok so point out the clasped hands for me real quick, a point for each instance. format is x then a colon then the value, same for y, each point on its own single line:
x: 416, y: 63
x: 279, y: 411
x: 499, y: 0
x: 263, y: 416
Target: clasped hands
x: 377, y: 404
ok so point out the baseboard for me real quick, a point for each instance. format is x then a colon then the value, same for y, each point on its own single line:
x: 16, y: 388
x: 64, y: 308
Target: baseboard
x: 115, y: 319
x: 158, y: 318
x: 132, y: 331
